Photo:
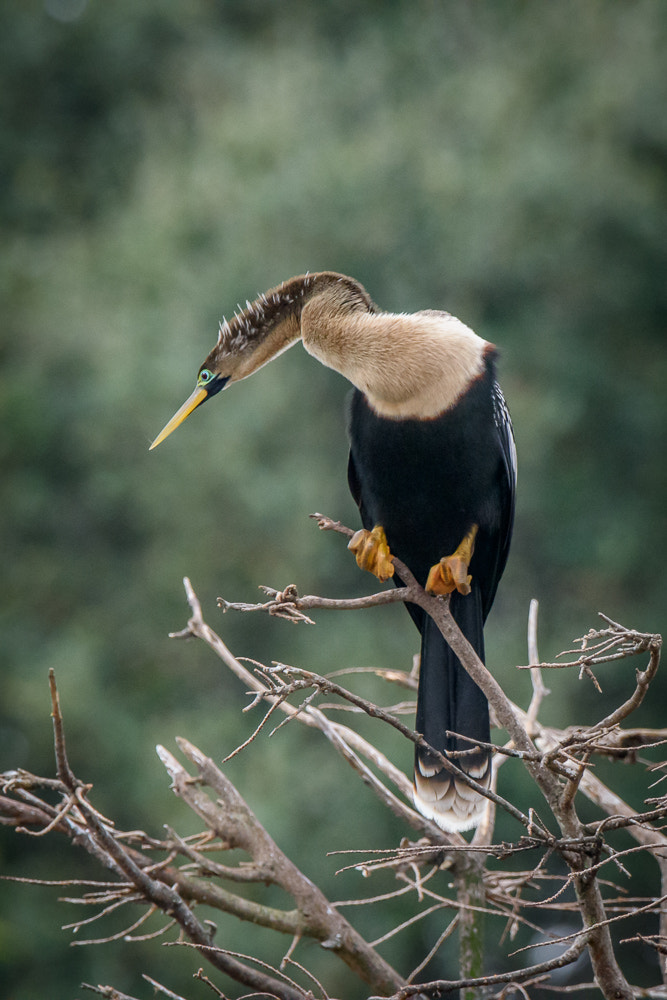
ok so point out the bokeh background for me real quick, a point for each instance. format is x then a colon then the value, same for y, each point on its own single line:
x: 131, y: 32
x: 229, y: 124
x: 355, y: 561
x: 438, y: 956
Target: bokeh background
x: 160, y: 162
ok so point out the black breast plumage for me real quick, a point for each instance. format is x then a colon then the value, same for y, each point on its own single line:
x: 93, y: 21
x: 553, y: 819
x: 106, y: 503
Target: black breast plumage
x: 427, y: 481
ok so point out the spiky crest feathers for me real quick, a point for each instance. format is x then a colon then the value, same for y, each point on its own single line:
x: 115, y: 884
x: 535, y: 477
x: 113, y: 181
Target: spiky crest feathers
x: 272, y: 323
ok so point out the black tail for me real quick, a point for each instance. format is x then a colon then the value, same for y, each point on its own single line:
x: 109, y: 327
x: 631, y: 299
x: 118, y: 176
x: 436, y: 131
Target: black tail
x: 448, y: 699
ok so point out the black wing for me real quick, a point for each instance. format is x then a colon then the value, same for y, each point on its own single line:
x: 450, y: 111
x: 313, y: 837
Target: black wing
x: 355, y: 490
x: 503, y: 422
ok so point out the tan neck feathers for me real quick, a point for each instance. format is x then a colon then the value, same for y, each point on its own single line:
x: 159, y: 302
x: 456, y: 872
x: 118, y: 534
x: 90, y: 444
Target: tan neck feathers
x: 408, y: 366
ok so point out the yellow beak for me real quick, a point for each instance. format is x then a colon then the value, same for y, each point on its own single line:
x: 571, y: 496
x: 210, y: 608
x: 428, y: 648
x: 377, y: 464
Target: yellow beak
x: 190, y: 404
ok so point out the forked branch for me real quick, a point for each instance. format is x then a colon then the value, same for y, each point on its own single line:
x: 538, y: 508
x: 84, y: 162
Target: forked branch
x: 171, y: 876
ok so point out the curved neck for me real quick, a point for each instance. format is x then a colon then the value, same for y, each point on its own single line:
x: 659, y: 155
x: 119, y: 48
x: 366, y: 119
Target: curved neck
x: 273, y: 322
x: 407, y: 365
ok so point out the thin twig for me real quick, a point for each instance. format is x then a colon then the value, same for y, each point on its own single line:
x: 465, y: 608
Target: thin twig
x: 539, y: 689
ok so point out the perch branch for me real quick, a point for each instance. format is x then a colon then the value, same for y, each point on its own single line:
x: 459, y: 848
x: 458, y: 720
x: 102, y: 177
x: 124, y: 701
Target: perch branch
x: 561, y: 801
x: 558, y: 762
x: 349, y: 743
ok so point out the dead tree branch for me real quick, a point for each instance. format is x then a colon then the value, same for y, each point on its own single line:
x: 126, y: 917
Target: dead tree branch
x: 546, y: 769
x: 233, y: 823
x: 570, y: 861
x: 154, y: 891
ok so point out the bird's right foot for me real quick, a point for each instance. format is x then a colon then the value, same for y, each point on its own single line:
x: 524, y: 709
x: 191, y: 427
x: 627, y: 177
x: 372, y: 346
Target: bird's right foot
x: 372, y: 552
x: 451, y: 573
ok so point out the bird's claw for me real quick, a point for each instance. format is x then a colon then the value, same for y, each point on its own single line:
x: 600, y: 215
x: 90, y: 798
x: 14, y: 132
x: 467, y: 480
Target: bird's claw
x: 451, y: 573
x: 372, y: 552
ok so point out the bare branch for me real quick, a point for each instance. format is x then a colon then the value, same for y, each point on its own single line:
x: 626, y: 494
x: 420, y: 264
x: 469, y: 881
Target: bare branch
x: 236, y: 825
x: 169, y: 878
x: 539, y: 689
x: 442, y: 987
x: 163, y: 896
x: 107, y: 991
x: 349, y: 743
x: 162, y: 989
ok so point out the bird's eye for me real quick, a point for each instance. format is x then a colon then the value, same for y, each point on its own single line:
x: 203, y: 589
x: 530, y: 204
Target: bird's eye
x: 205, y: 376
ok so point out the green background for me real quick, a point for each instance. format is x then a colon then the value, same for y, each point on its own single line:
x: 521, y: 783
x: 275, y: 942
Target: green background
x: 160, y: 162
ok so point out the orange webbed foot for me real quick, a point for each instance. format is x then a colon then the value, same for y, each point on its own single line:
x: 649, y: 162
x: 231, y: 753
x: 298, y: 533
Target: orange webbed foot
x: 372, y: 552
x: 451, y: 573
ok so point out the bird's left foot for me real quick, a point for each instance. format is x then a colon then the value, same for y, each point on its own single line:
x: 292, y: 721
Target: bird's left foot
x: 372, y: 552
x: 451, y: 573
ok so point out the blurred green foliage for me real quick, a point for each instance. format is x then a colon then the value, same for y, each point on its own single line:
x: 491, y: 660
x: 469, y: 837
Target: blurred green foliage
x: 160, y: 162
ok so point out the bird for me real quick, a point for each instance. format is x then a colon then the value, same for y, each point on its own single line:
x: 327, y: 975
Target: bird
x: 432, y: 468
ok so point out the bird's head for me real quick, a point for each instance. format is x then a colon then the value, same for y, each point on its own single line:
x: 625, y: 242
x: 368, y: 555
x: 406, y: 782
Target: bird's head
x: 209, y: 383
x: 245, y: 343
x: 264, y: 329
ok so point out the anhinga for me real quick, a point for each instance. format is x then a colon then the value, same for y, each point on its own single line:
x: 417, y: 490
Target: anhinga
x: 432, y: 467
